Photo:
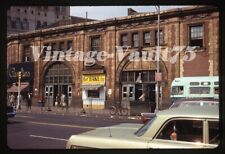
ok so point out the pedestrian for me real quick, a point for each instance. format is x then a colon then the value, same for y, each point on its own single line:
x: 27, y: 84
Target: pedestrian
x: 62, y: 101
x: 12, y: 100
x: 28, y: 101
x: 57, y: 100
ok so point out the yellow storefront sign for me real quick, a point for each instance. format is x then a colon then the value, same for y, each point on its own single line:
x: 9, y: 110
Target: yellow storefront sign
x: 93, y: 79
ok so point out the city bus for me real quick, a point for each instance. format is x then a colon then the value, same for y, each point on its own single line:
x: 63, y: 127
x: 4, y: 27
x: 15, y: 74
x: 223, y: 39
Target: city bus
x: 195, y: 87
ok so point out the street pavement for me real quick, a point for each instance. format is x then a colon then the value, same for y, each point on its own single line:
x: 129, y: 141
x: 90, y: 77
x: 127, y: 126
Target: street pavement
x: 44, y: 129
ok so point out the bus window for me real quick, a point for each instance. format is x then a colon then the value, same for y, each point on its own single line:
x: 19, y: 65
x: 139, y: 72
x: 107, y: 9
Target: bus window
x: 177, y: 90
x: 199, y: 90
x: 216, y: 83
x: 205, y: 83
x: 194, y: 83
x: 216, y: 90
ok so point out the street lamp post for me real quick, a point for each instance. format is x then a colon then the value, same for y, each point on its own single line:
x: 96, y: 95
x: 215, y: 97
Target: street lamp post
x: 157, y: 59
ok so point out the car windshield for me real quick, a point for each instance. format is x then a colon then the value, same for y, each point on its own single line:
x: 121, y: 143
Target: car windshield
x: 145, y: 127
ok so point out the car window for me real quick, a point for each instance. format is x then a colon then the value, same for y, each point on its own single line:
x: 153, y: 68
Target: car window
x: 145, y: 127
x: 213, y: 132
x: 183, y: 130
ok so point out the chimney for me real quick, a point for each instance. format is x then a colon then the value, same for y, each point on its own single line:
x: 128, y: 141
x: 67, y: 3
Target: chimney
x: 130, y: 11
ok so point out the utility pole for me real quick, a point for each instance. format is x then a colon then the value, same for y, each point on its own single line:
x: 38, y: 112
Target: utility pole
x: 18, y: 97
x: 158, y: 74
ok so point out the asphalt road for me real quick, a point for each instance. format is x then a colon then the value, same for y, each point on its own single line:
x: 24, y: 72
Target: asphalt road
x: 43, y: 131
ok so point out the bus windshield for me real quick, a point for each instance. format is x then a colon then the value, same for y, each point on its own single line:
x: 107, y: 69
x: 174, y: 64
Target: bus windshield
x: 177, y: 90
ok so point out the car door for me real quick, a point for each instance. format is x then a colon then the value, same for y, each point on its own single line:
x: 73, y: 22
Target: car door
x: 179, y: 133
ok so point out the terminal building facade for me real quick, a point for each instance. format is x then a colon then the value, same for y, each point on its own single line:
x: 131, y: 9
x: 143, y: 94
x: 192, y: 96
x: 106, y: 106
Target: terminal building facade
x: 126, y: 69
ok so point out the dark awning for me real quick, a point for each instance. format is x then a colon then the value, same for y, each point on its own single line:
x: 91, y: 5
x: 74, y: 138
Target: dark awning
x: 14, y: 88
x: 91, y: 87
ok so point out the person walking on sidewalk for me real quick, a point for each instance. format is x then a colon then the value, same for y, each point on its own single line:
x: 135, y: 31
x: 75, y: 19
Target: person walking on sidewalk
x: 28, y: 101
x: 63, y: 101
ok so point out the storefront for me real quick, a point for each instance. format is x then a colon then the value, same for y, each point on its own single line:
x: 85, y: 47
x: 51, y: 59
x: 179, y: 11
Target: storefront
x: 93, y: 91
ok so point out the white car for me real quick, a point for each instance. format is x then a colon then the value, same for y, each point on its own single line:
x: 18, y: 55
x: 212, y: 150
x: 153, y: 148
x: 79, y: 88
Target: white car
x: 183, y: 127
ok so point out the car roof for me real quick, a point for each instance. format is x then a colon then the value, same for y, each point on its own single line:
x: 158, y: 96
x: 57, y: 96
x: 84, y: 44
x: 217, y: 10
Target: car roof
x: 196, y: 99
x: 192, y: 112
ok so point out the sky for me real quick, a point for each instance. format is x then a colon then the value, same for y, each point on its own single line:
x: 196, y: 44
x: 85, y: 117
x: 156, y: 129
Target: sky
x: 105, y: 12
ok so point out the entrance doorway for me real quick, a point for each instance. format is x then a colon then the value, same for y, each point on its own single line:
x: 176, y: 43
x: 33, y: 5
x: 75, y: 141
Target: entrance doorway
x: 139, y: 88
x: 58, y: 81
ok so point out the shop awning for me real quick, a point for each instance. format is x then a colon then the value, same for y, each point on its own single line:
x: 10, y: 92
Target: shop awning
x: 91, y: 87
x: 14, y: 88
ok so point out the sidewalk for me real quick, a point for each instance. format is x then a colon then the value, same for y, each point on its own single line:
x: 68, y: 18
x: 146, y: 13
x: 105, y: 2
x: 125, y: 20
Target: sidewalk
x: 73, y: 111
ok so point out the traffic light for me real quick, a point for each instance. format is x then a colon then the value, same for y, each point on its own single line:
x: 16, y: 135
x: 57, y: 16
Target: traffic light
x: 19, y: 75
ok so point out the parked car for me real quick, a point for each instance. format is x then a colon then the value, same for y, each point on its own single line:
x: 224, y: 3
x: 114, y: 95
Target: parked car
x: 181, y: 127
x: 11, y: 112
x: 182, y: 102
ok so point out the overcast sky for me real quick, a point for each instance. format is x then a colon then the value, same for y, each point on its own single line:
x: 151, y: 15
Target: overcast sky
x: 104, y: 12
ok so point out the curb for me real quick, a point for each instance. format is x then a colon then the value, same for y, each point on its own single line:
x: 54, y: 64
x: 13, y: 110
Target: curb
x: 64, y: 112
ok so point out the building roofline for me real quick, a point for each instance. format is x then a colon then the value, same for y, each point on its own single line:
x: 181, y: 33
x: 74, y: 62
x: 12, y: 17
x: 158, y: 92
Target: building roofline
x: 117, y: 20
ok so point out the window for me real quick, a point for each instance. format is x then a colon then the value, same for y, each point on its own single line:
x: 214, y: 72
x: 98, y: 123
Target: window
x: 18, y: 24
x: 13, y: 24
x: 93, y: 93
x: 123, y: 41
x: 45, y: 24
x: 135, y: 40
x: 213, y: 132
x: 182, y: 130
x: 61, y: 46
x: 38, y: 24
x: 161, y: 39
x: 146, y: 39
x: 194, y: 83
x: 205, y: 83
x: 18, y: 10
x: 25, y: 24
x: 196, y: 35
x: 125, y: 92
x: 69, y: 44
x: 95, y: 43
x: 26, y: 53
x: 45, y: 14
x: 25, y: 11
x: 54, y: 47
x: 199, y: 90
x: 216, y: 90
x: 177, y: 90
x: 32, y: 12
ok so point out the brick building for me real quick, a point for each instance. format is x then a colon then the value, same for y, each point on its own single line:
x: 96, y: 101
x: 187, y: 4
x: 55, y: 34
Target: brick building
x: 26, y: 18
x: 117, y: 78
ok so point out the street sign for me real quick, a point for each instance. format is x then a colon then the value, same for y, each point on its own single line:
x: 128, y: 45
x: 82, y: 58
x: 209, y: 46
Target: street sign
x: 158, y: 76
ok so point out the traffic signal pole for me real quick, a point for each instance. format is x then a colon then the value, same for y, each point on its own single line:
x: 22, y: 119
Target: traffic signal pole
x: 18, y: 97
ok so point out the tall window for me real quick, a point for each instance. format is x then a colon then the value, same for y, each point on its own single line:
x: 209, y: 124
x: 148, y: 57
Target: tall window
x: 95, y: 43
x: 146, y: 38
x: 18, y: 25
x: 38, y: 24
x: 123, y: 41
x: 135, y: 40
x: 69, y: 44
x: 54, y: 47
x: 161, y: 37
x: 61, y: 46
x: 26, y: 53
x: 196, y: 35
